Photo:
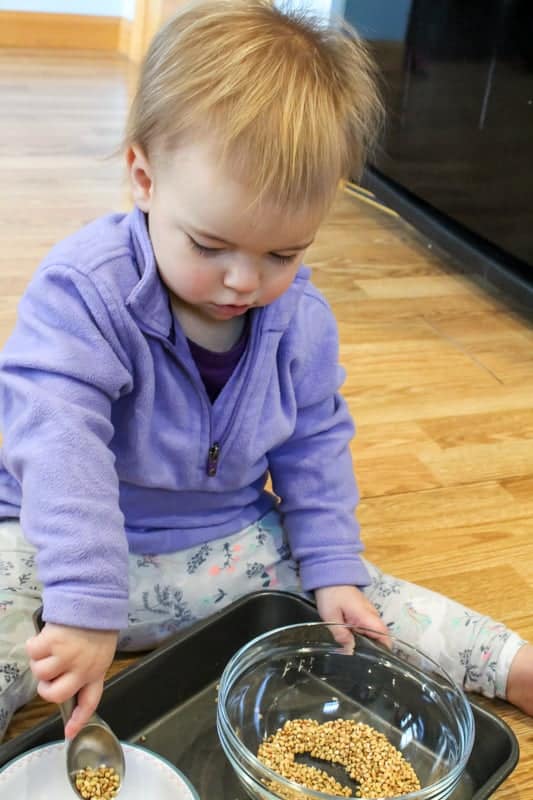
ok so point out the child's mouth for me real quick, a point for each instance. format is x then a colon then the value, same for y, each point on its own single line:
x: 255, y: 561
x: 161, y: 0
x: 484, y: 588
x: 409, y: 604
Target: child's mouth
x: 230, y: 310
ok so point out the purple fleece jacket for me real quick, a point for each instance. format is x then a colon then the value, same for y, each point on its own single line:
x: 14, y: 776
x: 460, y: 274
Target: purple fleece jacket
x: 108, y: 428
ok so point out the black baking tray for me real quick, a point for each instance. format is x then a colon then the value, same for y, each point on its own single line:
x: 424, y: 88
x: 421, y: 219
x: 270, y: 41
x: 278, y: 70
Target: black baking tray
x: 167, y: 702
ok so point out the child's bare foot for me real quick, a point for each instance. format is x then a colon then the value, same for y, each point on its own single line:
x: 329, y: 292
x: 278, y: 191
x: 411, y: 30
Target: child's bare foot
x: 520, y: 680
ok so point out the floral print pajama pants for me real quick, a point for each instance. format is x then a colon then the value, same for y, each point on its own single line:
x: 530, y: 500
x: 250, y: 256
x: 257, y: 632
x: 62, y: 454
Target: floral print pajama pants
x: 171, y: 591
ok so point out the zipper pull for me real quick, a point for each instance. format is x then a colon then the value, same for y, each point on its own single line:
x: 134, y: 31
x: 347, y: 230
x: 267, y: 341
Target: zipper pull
x: 212, y: 459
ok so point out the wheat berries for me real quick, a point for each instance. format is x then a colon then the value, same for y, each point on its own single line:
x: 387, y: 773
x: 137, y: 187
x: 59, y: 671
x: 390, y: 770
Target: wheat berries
x: 378, y: 768
x: 101, y: 783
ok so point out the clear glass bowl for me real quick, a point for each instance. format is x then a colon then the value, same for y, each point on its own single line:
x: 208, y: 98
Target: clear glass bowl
x: 300, y: 671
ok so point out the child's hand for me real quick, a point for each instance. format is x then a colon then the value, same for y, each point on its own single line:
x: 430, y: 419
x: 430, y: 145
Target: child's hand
x: 348, y: 604
x: 68, y: 661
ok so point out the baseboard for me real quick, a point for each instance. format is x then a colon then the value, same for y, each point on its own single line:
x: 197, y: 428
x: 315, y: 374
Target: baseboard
x: 64, y: 31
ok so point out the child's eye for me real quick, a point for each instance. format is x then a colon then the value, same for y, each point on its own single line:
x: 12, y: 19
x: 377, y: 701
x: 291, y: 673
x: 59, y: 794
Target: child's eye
x: 283, y: 259
x: 202, y: 249
x: 213, y: 251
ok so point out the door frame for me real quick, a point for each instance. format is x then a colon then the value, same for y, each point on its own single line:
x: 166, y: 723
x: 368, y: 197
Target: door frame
x: 138, y: 32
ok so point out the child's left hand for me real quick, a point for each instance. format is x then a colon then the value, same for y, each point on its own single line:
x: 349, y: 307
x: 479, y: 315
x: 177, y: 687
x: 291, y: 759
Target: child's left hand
x: 349, y: 605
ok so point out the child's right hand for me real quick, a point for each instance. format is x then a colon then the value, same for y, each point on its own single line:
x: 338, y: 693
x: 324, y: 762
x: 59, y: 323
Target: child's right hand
x: 67, y: 661
x: 348, y: 604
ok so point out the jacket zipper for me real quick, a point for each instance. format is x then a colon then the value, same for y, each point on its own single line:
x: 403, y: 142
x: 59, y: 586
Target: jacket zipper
x: 213, y: 453
x: 212, y: 459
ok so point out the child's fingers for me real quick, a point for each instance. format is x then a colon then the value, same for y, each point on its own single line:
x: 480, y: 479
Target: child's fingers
x: 60, y: 689
x: 332, y: 614
x: 375, y: 628
x: 380, y: 634
x: 46, y: 669
x: 87, y: 703
x: 344, y: 637
x: 38, y: 647
x: 340, y: 632
x: 348, y: 605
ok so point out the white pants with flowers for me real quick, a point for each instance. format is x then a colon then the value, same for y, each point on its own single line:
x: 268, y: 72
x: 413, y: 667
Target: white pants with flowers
x: 171, y: 591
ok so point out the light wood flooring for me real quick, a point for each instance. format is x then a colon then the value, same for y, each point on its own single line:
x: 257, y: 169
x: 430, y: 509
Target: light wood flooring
x: 439, y: 370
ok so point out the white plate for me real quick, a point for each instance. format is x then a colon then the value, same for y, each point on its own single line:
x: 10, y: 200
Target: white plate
x: 41, y: 774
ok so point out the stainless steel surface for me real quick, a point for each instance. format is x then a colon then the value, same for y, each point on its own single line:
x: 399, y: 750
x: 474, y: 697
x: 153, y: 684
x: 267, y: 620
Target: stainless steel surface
x: 95, y: 744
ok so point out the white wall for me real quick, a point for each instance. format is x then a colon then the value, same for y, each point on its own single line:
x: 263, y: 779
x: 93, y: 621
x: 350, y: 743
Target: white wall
x: 321, y: 8
x: 328, y: 9
x: 100, y: 8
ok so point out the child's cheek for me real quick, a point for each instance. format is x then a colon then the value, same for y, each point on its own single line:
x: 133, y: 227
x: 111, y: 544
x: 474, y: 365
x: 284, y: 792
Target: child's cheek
x: 279, y: 285
x: 200, y: 280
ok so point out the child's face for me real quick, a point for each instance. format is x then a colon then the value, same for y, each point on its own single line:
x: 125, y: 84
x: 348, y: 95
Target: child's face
x: 217, y: 254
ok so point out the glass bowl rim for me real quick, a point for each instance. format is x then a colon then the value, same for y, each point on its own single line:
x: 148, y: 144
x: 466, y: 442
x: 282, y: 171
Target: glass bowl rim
x: 224, y: 726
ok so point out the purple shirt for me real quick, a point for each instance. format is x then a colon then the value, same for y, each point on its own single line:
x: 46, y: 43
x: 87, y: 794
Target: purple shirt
x: 109, y: 434
x: 216, y: 368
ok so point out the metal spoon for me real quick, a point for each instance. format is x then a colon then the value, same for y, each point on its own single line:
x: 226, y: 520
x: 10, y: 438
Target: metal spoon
x: 95, y: 744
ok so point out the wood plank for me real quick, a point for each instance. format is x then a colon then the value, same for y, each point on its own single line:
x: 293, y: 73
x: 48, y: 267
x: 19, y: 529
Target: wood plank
x: 445, y: 398
x: 383, y: 439
x: 473, y: 463
x: 70, y: 31
x: 485, y: 542
x: 480, y: 429
x: 519, y: 488
x: 444, y: 508
x: 393, y: 474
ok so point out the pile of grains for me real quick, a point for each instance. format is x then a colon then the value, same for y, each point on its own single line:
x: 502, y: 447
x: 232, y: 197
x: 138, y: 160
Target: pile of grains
x: 378, y: 768
x: 102, y: 783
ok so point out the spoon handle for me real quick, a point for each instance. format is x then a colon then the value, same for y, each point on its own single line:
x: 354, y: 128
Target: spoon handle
x: 69, y: 705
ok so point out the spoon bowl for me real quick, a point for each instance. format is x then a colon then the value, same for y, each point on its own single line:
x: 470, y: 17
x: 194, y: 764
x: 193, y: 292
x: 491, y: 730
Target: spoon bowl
x: 94, y: 746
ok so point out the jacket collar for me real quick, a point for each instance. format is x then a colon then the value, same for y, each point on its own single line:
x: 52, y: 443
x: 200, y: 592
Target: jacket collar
x: 149, y: 299
x: 150, y: 302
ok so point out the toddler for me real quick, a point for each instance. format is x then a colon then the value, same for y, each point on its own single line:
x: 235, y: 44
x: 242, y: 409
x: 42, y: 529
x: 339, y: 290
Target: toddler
x: 167, y: 362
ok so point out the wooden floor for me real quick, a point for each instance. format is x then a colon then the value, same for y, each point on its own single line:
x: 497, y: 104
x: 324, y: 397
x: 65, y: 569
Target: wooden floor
x: 440, y: 372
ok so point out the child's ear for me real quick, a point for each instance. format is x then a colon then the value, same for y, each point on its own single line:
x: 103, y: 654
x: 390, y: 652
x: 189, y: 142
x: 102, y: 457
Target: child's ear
x: 141, y: 179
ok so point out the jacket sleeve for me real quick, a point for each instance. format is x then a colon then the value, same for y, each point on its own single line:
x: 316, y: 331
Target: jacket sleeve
x: 312, y: 471
x: 60, y: 372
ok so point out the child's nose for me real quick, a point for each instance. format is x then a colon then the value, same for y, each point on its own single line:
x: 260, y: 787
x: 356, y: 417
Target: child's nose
x: 242, y: 277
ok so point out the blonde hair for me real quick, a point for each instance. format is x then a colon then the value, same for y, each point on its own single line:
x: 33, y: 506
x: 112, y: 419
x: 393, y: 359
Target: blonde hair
x: 292, y: 102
